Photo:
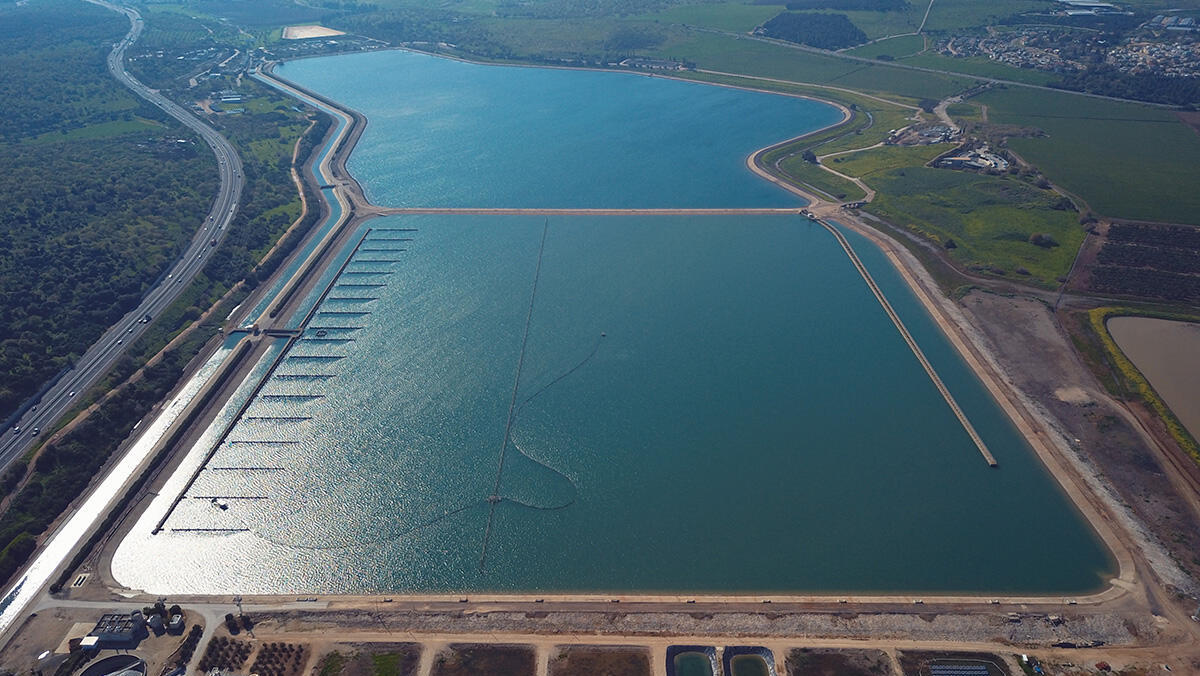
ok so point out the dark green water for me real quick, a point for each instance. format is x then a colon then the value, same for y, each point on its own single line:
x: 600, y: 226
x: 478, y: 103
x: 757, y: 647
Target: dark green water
x: 692, y: 664
x: 694, y: 403
x: 749, y: 665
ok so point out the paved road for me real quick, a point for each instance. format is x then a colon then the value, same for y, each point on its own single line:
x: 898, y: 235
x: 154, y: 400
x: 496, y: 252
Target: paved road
x: 105, y: 351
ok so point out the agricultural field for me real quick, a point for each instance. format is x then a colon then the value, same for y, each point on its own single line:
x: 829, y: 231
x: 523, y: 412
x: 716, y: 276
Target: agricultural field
x: 981, y: 66
x: 171, y: 26
x: 897, y: 47
x: 820, y: 662
x: 395, y: 659
x: 1124, y: 160
x: 951, y: 15
x: 258, y: 13
x: 1149, y: 261
x: 762, y: 59
x: 469, y: 659
x: 570, y: 38
x: 728, y: 16
x: 578, y: 660
x: 479, y: 7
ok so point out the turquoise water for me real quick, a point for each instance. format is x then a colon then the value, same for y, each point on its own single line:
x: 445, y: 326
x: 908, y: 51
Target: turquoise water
x: 446, y: 133
x: 705, y: 403
x: 748, y: 395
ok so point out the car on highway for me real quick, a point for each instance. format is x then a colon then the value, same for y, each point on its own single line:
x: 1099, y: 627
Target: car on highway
x: 17, y: 429
x: 37, y: 431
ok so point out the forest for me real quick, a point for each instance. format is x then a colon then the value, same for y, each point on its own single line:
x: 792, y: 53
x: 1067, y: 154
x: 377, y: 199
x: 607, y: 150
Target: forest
x: 102, y: 193
x: 815, y: 29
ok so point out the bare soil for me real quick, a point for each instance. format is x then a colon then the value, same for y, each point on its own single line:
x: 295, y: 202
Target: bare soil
x: 1040, y: 360
x: 312, y: 31
x: 362, y: 660
x: 915, y: 663
x: 809, y: 662
x: 469, y: 659
x: 1191, y: 119
x: 583, y: 660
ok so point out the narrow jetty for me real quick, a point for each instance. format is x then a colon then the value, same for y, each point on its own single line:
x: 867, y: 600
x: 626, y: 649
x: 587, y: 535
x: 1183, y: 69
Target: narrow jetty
x: 912, y: 344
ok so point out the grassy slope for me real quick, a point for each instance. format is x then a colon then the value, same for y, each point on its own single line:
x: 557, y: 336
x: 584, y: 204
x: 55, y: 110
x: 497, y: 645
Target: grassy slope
x: 968, y: 112
x: 814, y: 176
x: 989, y: 218
x: 868, y: 163
x: 1126, y: 160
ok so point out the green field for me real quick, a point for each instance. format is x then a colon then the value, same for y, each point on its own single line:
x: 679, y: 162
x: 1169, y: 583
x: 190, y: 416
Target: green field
x: 753, y: 57
x: 562, y: 37
x: 982, y: 66
x: 897, y: 47
x: 882, y: 24
x: 729, y: 16
x: 990, y: 219
x: 868, y: 163
x: 103, y: 130
x: 948, y: 15
x: 487, y: 7
x: 1125, y: 160
x: 810, y: 175
x: 965, y: 112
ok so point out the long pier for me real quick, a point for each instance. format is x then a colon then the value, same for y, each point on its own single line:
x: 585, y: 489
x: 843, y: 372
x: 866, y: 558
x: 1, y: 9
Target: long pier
x: 912, y: 344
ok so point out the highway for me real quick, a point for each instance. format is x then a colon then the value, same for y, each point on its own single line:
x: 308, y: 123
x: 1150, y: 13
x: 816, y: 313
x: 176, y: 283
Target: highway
x: 97, y: 360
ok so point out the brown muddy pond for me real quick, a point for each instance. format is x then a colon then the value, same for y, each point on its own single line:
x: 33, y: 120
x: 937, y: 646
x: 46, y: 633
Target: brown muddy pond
x: 1168, y: 353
